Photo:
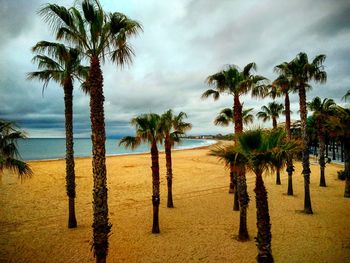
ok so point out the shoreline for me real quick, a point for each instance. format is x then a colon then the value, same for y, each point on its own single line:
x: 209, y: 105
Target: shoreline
x: 214, y: 142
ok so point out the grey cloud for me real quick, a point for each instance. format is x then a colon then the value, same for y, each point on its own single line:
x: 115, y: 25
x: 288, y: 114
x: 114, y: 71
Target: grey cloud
x: 15, y: 17
x: 183, y: 42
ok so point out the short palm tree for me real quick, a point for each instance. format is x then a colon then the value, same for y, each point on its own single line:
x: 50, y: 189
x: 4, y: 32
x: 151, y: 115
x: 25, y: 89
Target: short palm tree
x: 271, y: 112
x: 62, y: 65
x: 173, y: 127
x: 225, y: 118
x: 322, y: 110
x: 301, y: 71
x: 9, y: 155
x: 256, y: 151
x: 149, y: 129
x: 236, y: 82
x: 99, y: 35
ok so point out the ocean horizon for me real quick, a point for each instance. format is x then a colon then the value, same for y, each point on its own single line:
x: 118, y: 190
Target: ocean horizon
x: 55, y: 148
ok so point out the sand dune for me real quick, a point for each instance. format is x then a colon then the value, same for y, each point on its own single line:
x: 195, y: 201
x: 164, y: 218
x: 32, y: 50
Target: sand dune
x: 201, y: 227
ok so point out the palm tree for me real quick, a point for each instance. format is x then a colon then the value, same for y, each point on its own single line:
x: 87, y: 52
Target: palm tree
x: 271, y: 111
x: 235, y: 82
x: 301, y: 71
x: 224, y: 118
x: 98, y: 35
x: 321, y: 112
x: 9, y: 155
x: 256, y: 151
x: 149, y: 129
x: 173, y: 127
x: 282, y: 86
x: 62, y: 65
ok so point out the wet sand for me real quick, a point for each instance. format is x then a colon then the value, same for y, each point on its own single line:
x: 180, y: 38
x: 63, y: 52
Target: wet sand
x: 201, y: 228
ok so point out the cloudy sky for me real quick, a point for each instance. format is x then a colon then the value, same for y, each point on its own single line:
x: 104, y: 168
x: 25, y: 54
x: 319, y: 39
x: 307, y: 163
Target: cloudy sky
x: 183, y: 42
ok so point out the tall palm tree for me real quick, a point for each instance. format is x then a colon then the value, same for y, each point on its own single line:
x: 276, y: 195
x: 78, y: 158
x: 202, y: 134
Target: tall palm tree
x: 149, y: 129
x: 301, y: 71
x: 256, y: 151
x: 225, y: 117
x: 236, y: 82
x: 322, y: 110
x: 173, y: 127
x: 9, y: 155
x: 271, y: 112
x: 282, y: 86
x: 62, y: 65
x: 99, y: 35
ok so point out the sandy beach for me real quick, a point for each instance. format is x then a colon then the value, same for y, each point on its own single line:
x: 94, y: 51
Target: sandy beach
x: 201, y: 227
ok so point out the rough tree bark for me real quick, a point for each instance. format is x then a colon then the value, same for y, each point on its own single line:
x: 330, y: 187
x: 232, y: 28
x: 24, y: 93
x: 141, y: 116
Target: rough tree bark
x: 243, y: 196
x: 70, y: 174
x: 305, y: 151
x: 263, y: 239
x: 155, y: 187
x: 101, y: 226
x: 290, y: 167
x: 169, y: 171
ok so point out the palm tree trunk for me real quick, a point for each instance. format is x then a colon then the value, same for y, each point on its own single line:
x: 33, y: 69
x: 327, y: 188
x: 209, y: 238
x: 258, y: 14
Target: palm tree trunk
x: 342, y: 150
x: 278, y: 176
x: 169, y: 171
x: 305, y: 151
x: 231, y: 189
x: 70, y: 174
x: 155, y: 187
x: 243, y: 196
x: 333, y: 149
x: 100, y: 225
x: 263, y: 238
x: 321, y: 160
x: 290, y: 167
x: 243, y: 205
x: 233, y: 177
x: 274, y: 123
x: 347, y: 169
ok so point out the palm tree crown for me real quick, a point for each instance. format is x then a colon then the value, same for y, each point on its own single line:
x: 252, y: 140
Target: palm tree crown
x: 233, y: 81
x: 226, y: 116
x: 9, y: 155
x: 96, y: 33
x: 272, y: 111
x: 148, y: 129
x: 58, y: 63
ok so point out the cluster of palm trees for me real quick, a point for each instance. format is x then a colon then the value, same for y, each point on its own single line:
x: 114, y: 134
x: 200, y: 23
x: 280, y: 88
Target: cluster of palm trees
x: 85, y: 33
x: 252, y: 149
x: 153, y: 128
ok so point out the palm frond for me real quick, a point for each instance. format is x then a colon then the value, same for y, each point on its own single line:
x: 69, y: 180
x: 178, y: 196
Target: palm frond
x: 130, y: 142
x: 211, y: 92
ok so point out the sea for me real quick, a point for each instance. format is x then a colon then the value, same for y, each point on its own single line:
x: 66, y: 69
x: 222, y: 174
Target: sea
x: 55, y: 148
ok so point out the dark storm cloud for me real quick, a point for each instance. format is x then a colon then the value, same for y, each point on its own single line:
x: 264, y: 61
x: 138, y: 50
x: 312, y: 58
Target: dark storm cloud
x: 15, y: 17
x: 335, y: 21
